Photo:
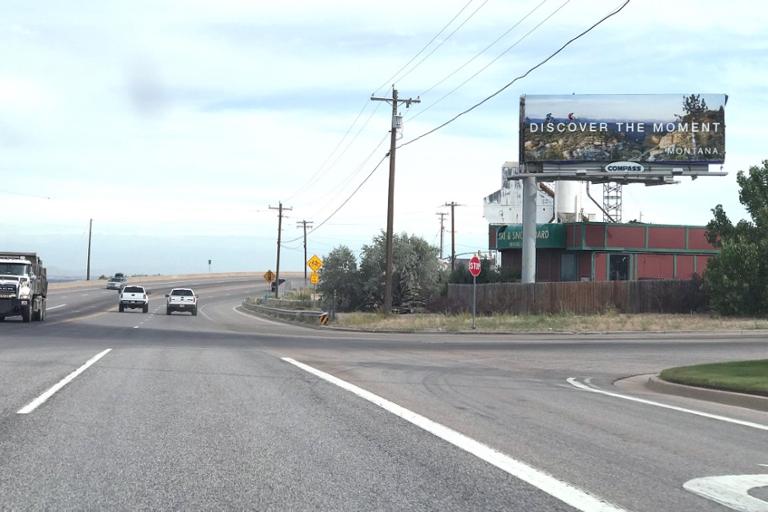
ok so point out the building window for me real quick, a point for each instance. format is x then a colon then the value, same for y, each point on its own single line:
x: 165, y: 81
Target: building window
x: 568, y: 267
x: 618, y: 267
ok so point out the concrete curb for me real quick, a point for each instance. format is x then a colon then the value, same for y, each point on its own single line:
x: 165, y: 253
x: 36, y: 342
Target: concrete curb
x: 759, y: 403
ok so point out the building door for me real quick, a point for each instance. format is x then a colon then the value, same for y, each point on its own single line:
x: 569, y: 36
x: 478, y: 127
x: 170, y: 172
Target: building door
x: 618, y: 267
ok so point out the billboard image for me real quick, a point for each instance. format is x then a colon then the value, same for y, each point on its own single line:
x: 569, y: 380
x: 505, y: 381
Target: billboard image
x: 653, y: 128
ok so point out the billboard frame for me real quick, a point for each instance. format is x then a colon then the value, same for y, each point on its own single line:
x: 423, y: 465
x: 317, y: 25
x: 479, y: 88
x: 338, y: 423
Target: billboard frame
x: 653, y: 173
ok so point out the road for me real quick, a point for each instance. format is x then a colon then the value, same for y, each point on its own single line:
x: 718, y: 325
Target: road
x: 230, y: 411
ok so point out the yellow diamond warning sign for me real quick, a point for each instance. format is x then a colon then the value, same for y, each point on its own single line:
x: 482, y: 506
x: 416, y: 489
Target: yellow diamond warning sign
x: 315, y: 263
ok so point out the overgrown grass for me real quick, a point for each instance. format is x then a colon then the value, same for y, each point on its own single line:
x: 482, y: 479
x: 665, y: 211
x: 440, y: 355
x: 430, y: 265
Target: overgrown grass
x: 741, y: 376
x: 608, y: 322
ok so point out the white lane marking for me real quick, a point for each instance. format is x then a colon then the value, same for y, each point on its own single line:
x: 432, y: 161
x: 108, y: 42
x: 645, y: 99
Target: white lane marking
x: 257, y: 318
x: 49, y: 308
x: 202, y: 312
x: 573, y: 382
x: 563, y: 491
x: 731, y: 491
x: 40, y: 400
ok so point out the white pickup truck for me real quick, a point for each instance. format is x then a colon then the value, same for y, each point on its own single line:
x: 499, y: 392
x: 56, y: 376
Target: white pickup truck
x: 181, y: 299
x: 133, y: 297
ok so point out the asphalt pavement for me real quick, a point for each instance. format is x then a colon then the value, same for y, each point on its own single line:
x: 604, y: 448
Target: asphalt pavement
x: 226, y: 410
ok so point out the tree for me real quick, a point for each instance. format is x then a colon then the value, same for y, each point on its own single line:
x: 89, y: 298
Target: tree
x: 339, y: 275
x: 737, y: 279
x: 415, y: 272
x: 694, y: 104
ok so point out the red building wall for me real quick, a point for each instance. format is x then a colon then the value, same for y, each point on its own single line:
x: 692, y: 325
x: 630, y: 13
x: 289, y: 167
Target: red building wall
x: 655, y: 266
x: 626, y: 236
x: 601, y: 262
x: 666, y: 238
x: 595, y: 235
x: 697, y: 239
x: 685, y: 266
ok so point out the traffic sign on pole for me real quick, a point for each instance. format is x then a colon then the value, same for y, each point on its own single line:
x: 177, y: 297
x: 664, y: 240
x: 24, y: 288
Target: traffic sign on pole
x: 474, y: 266
x: 314, y: 278
x: 474, y: 269
x: 315, y: 263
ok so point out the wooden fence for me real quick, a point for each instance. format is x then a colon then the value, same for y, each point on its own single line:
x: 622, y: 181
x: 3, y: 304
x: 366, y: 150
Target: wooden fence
x: 577, y: 297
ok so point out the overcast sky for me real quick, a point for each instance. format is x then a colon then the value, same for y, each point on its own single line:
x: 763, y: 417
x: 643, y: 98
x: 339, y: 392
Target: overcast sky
x: 176, y: 124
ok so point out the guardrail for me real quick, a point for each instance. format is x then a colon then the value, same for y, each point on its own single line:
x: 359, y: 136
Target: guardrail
x: 295, y: 315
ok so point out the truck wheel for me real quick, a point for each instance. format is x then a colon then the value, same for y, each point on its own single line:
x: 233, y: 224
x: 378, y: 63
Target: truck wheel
x: 167, y: 311
x: 120, y: 308
x: 42, y: 311
x: 2, y: 319
x: 145, y: 309
x: 26, y: 314
x: 194, y: 312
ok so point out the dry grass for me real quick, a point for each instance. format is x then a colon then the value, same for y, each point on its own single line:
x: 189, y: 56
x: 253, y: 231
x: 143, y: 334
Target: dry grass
x: 609, y: 322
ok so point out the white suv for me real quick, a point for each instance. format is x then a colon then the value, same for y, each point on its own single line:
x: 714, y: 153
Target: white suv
x: 133, y: 297
x: 181, y: 299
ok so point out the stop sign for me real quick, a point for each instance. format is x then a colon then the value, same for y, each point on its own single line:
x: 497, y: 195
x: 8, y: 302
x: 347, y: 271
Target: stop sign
x: 474, y: 266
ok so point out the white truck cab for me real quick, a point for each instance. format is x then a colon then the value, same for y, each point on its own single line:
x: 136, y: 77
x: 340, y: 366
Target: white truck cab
x: 133, y: 297
x: 181, y: 299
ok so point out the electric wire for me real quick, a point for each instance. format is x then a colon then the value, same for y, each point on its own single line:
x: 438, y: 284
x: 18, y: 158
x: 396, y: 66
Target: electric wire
x: 441, y: 43
x: 445, y: 27
x: 349, y: 178
x: 481, y: 52
x: 344, y: 203
x: 466, y: 111
x: 520, y: 77
x: 322, y: 167
x: 318, y: 175
x: 489, y: 64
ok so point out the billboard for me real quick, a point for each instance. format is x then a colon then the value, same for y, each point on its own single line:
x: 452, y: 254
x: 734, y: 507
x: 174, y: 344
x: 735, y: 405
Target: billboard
x: 623, y: 129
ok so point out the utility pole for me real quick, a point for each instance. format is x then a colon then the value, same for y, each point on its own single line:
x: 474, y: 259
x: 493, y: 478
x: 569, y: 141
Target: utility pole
x: 453, y: 205
x: 304, y: 224
x: 396, y: 123
x: 88, y: 265
x: 280, y: 210
x: 442, y: 230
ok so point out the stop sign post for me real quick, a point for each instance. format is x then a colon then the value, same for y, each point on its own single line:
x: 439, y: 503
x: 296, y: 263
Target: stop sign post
x: 474, y: 269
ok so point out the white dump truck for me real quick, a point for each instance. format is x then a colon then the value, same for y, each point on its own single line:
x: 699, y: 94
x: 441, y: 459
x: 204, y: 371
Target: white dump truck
x: 23, y: 286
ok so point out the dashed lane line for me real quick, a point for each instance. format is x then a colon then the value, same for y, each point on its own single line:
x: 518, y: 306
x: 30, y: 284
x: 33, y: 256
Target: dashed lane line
x: 40, y: 400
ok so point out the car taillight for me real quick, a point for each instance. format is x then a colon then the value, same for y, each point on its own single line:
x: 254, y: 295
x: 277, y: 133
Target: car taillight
x: 144, y: 296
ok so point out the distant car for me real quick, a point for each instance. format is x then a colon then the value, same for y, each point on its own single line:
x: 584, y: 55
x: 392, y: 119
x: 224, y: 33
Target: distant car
x: 181, y: 299
x: 274, y: 284
x: 116, y: 282
x: 133, y: 297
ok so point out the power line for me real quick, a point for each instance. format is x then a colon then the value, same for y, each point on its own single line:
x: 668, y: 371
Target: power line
x: 325, y: 167
x: 420, y: 62
x: 507, y: 50
x: 481, y: 52
x: 397, y: 73
x: 530, y: 70
x: 344, y: 203
x: 359, y: 168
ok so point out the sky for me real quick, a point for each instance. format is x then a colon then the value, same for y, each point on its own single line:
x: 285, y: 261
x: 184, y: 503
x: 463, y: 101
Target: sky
x: 175, y: 125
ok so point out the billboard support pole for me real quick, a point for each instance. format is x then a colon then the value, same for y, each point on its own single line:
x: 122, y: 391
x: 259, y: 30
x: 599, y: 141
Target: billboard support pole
x: 528, y: 273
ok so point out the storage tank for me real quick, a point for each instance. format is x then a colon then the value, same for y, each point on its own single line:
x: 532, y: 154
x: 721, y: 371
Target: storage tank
x: 567, y: 200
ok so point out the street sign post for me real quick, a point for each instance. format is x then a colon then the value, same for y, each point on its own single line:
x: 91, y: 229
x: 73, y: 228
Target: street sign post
x: 315, y: 263
x: 474, y: 269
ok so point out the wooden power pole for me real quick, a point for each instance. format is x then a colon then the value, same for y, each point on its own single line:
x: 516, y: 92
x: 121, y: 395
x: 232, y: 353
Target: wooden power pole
x: 280, y: 209
x: 304, y: 224
x: 396, y: 123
